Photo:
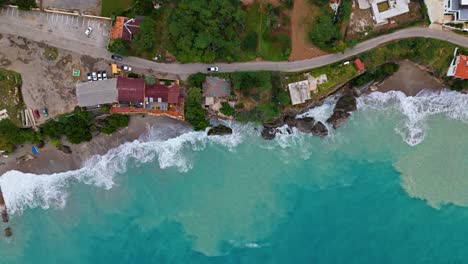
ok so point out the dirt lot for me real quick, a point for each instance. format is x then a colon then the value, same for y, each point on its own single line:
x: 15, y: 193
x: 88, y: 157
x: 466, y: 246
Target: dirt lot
x: 45, y: 83
x: 302, y: 16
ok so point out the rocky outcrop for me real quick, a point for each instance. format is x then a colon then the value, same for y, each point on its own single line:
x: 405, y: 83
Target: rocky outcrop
x: 305, y: 125
x: 65, y: 149
x: 220, y: 130
x: 8, y: 232
x: 341, y: 111
x: 319, y: 129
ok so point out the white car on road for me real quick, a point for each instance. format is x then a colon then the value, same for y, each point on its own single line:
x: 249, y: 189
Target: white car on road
x: 88, y: 31
x: 213, y: 69
x: 126, y: 68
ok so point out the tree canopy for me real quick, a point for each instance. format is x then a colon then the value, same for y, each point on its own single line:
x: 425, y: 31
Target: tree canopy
x: 11, y: 135
x: 194, y: 112
x: 145, y: 39
x: 25, y: 4
x: 119, y: 46
x: 206, y: 30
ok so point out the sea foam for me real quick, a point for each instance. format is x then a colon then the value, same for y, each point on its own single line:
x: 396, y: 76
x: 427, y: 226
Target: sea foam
x: 26, y: 190
x: 416, y: 109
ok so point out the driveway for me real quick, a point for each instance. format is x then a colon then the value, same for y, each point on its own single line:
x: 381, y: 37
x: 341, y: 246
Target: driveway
x: 69, y: 28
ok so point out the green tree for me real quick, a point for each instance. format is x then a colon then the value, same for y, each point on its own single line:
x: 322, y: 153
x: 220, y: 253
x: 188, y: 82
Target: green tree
x: 11, y: 135
x: 194, y: 112
x: 205, y: 30
x: 114, y: 122
x: 324, y: 33
x: 145, y: 38
x: 2, y: 3
x: 25, y: 4
x: 250, y: 42
x: 226, y: 109
x: 119, y: 46
x: 197, y: 79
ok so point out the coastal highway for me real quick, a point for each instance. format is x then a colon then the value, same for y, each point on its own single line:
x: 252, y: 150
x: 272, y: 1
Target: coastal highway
x: 17, y: 25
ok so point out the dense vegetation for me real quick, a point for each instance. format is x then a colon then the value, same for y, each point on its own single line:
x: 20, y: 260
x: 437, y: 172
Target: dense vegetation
x: 10, y: 90
x: 376, y: 73
x: 11, y: 135
x: 195, y: 114
x: 25, y: 4
x: 329, y: 29
x: 261, y: 96
x: 206, y: 30
x: 119, y: 46
x: 76, y: 127
x: 145, y: 39
x: 114, y: 122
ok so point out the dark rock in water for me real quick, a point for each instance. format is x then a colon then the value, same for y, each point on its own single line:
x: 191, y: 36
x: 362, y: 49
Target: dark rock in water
x: 291, y: 121
x: 220, y: 130
x: 320, y: 130
x: 305, y: 124
x: 268, y: 133
x: 8, y: 232
x: 4, y: 217
x: 341, y: 113
x: 65, y: 149
x: 338, y: 118
x: 346, y: 103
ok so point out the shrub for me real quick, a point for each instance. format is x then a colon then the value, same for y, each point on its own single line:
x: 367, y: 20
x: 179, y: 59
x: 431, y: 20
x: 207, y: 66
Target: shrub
x: 119, y: 46
x: 250, y: 42
x: 197, y: 79
x: 114, y: 122
x: 226, y: 109
x: 11, y: 135
x: 76, y: 127
x: 194, y: 112
x: 25, y: 4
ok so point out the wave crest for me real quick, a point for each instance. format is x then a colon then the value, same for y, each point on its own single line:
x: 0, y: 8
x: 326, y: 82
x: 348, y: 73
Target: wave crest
x: 416, y: 109
x: 26, y: 190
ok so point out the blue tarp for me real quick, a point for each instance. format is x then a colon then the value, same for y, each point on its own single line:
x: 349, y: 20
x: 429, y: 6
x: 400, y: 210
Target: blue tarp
x: 34, y: 150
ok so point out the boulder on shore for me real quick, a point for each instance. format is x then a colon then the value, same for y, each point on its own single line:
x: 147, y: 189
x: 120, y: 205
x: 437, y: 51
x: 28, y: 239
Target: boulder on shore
x: 341, y: 111
x: 319, y: 129
x: 305, y: 125
x: 220, y: 130
x: 65, y: 149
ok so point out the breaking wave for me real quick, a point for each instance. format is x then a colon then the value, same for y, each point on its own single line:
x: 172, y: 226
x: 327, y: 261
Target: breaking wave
x: 417, y: 109
x: 26, y: 190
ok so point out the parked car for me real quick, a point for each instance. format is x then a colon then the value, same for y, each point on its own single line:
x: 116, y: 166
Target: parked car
x: 94, y: 75
x: 104, y: 75
x: 99, y: 75
x: 36, y: 114
x: 89, y: 77
x: 117, y: 57
x: 213, y: 69
x: 44, y: 112
x: 126, y: 68
x: 88, y: 31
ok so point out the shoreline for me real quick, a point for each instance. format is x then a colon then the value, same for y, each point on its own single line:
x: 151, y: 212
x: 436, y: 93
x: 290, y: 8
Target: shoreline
x: 51, y: 160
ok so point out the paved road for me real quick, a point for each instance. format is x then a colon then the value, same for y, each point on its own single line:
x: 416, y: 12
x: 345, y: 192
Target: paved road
x: 36, y: 33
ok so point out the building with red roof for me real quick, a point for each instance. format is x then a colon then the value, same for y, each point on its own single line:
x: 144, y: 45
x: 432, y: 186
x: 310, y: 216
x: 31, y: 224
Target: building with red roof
x: 131, y: 90
x: 359, y: 65
x: 160, y: 96
x: 126, y: 28
x: 459, y: 66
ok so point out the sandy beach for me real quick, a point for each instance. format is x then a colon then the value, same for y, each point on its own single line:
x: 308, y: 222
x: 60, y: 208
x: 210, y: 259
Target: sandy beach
x: 51, y: 160
x: 410, y: 79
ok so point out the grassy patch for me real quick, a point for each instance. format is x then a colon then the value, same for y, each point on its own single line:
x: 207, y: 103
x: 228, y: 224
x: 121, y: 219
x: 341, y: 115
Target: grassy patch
x: 114, y: 7
x: 51, y: 53
x: 10, y: 89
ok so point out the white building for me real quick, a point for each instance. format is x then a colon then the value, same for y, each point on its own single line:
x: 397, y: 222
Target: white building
x: 382, y: 10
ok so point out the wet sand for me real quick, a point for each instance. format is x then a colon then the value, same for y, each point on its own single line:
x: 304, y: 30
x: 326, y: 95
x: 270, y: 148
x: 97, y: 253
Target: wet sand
x: 51, y: 160
x: 410, y: 79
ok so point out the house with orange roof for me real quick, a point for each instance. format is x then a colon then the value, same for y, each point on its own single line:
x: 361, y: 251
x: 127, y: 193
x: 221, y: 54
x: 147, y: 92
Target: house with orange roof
x: 125, y: 28
x: 459, y: 66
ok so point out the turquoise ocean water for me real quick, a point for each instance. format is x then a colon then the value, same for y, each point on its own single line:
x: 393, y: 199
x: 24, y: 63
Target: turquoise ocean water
x: 390, y: 186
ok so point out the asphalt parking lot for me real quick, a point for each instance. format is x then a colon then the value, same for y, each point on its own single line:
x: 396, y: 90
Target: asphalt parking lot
x: 68, y: 27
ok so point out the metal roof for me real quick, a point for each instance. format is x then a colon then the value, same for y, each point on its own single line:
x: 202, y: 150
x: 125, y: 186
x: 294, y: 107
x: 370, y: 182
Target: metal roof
x: 97, y: 92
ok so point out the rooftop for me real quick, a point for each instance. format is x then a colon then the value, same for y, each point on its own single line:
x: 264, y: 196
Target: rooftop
x: 462, y: 67
x: 131, y: 90
x: 299, y: 91
x: 167, y: 94
x: 96, y: 93
x: 125, y: 28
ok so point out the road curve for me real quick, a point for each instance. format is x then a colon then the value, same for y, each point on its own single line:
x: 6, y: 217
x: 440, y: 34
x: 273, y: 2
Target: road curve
x: 38, y: 33
x: 293, y: 66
